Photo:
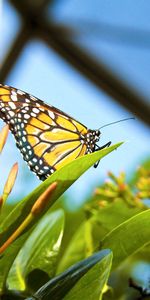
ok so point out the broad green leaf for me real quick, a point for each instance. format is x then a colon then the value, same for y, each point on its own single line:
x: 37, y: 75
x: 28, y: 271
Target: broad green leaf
x: 100, y: 224
x: 59, y: 286
x: 77, y: 248
x: 112, y: 216
x: 128, y: 238
x: 40, y: 250
x: 65, y: 178
x: 92, y: 284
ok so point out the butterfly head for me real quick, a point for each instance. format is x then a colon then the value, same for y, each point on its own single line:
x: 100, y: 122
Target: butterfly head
x: 92, y: 137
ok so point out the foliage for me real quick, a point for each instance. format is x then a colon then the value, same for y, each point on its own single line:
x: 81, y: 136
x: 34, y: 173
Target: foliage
x: 49, y: 253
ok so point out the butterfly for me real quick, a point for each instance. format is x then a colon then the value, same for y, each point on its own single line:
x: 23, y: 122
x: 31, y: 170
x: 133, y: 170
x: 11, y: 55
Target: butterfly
x: 47, y: 137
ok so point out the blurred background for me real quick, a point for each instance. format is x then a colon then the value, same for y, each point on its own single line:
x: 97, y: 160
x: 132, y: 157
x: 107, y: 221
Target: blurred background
x: 90, y: 59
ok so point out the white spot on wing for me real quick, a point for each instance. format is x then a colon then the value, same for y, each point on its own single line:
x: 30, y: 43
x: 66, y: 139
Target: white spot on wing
x: 12, y: 105
x: 11, y: 113
x: 51, y: 114
x: 34, y: 159
x: 33, y: 114
x: 26, y: 116
x: 35, y: 110
x: 14, y: 97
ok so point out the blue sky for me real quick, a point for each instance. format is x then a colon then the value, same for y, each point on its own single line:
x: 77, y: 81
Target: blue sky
x: 42, y: 73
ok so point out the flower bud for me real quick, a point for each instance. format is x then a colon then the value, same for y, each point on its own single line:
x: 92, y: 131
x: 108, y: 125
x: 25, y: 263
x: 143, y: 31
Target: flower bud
x: 10, y: 181
x: 43, y: 200
x: 3, y: 136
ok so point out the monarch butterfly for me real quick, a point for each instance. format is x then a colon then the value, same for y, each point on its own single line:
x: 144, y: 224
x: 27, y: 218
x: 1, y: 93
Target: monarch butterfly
x: 47, y: 137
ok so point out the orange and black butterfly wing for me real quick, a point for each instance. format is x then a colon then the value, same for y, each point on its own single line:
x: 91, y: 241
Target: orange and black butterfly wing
x: 47, y: 138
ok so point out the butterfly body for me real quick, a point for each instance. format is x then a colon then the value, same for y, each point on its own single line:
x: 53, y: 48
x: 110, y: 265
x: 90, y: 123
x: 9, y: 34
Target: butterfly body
x: 47, y: 137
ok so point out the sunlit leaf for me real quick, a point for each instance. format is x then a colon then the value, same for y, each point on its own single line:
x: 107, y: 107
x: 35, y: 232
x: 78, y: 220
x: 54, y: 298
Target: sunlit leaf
x: 59, y: 286
x: 40, y: 250
x: 128, y: 238
x: 92, y: 284
x: 101, y: 223
x: 65, y: 178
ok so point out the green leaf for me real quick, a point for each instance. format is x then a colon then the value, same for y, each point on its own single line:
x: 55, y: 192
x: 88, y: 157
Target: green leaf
x: 59, y: 286
x: 100, y: 224
x: 92, y: 284
x: 39, y: 252
x: 128, y: 238
x: 65, y: 178
x: 77, y: 248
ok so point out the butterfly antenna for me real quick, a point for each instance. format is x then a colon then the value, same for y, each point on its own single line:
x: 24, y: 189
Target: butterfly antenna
x: 122, y: 120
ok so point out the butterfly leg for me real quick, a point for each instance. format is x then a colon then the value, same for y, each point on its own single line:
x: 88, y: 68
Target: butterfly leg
x: 100, y: 148
x: 104, y: 146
